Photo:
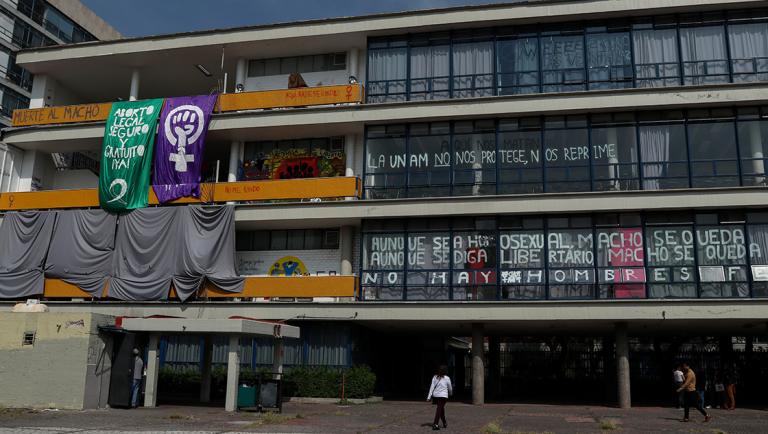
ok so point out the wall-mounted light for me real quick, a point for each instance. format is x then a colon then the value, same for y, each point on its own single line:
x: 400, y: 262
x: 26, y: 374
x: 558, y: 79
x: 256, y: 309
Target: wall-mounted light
x: 203, y: 69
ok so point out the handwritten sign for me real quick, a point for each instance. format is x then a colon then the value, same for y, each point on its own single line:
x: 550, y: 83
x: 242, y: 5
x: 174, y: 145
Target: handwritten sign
x: 61, y: 115
x: 308, y: 96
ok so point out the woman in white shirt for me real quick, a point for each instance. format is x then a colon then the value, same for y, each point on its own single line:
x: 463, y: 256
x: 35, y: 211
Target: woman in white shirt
x: 439, y: 391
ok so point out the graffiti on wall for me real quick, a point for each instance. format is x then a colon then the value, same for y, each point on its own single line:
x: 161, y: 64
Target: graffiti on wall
x: 295, y: 163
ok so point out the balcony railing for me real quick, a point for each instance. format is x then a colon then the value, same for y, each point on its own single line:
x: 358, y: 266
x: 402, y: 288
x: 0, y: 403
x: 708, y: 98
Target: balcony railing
x: 248, y: 191
x: 228, y: 102
x: 255, y: 287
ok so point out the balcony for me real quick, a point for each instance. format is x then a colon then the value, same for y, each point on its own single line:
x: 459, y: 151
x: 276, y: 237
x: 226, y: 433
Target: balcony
x: 230, y: 102
x: 255, y: 287
x: 248, y: 191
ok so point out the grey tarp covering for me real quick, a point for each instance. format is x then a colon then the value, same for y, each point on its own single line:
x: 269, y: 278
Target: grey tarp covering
x: 181, y: 244
x: 206, y: 249
x: 24, y: 241
x: 81, y: 249
x: 145, y: 246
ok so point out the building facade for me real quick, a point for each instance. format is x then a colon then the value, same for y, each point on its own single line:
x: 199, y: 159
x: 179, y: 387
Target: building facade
x: 534, y: 178
x: 30, y: 24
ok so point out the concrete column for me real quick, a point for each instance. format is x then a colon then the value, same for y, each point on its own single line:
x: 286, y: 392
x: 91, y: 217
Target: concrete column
x: 205, y: 376
x: 27, y: 175
x: 153, y: 369
x: 39, y: 91
x: 756, y: 152
x: 350, y: 141
x: 345, y: 245
x: 622, y: 366
x: 241, y: 72
x: 353, y: 63
x: 233, y: 373
x: 234, y: 159
x: 478, y: 365
x: 277, y: 358
x: 134, y: 93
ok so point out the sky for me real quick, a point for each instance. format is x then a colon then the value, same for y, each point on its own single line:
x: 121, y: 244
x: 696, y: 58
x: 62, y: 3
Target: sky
x: 155, y: 17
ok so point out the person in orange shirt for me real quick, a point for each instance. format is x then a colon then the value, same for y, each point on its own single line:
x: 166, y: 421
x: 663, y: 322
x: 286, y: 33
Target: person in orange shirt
x: 691, y: 396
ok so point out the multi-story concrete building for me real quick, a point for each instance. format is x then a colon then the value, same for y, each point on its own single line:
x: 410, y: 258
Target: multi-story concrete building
x: 29, y: 24
x: 549, y: 178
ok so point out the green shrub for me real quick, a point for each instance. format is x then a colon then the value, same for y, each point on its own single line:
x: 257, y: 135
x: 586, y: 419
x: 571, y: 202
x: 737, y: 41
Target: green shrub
x: 315, y: 382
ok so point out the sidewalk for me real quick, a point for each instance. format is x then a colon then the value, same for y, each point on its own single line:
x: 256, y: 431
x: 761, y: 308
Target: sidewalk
x: 386, y: 417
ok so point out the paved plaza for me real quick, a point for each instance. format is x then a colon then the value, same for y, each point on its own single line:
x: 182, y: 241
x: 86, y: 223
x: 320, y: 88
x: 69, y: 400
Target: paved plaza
x: 385, y: 417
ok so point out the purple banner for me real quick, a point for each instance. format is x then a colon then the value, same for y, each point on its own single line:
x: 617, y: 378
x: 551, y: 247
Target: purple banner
x: 180, y: 144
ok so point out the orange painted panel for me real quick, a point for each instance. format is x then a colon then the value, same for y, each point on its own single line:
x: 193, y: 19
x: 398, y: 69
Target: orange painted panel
x: 55, y: 288
x: 61, y: 115
x: 261, y: 286
x: 304, y: 96
x: 281, y: 286
x: 210, y: 193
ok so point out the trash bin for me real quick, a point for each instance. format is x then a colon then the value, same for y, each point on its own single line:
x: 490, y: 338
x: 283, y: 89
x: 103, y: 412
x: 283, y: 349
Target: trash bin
x: 270, y: 395
x: 246, y: 396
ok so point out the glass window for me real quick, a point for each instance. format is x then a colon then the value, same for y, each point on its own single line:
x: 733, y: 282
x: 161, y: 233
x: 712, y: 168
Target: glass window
x: 519, y: 155
x: 656, y: 59
x: 473, y: 69
x: 758, y: 258
x: 566, y: 152
x: 474, y: 168
x: 428, y: 263
x: 713, y: 154
x: 614, y: 158
x: 518, y: 66
x: 430, y: 72
x: 664, y: 156
x: 620, y: 258
x: 753, y: 146
x: 474, y: 265
x: 722, y: 256
x: 749, y: 51
x: 429, y: 165
x: 563, y: 63
x: 571, y: 263
x: 383, y: 262
x: 671, y: 262
x: 387, y: 71
x: 522, y: 263
x: 609, y: 60
x: 385, y: 167
x: 704, y: 55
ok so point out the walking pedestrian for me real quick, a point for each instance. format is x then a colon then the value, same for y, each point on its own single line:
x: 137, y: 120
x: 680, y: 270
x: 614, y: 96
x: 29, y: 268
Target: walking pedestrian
x: 730, y: 389
x: 678, y: 378
x: 439, y: 392
x: 138, y: 373
x: 691, y: 396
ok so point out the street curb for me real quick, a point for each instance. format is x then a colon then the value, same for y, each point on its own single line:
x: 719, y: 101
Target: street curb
x: 308, y: 400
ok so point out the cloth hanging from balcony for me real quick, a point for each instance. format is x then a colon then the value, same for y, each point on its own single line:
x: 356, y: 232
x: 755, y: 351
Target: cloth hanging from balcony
x: 81, y: 249
x: 24, y: 240
x: 183, y: 245
x: 206, y: 250
x: 180, y: 145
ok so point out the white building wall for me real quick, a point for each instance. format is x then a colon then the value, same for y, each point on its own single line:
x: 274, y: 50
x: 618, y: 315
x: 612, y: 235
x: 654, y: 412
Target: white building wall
x: 10, y: 168
x: 74, y: 179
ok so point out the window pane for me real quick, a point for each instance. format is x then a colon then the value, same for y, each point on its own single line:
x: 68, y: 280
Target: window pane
x: 621, y: 258
x: 656, y: 60
x: 474, y: 168
x: 566, y: 153
x: 722, y: 256
x: 753, y: 144
x: 704, y: 55
x: 429, y: 172
x: 473, y: 69
x: 385, y: 166
x: 614, y: 159
x: 563, y: 63
x: 671, y: 262
x: 749, y: 51
x: 387, y: 70
x: 609, y: 59
x: 518, y: 66
x: 664, y: 156
x: 520, y: 167
x: 713, y: 154
x: 430, y: 72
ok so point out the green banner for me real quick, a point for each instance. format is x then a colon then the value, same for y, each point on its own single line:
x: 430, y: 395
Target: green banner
x: 126, y: 154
